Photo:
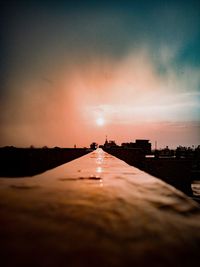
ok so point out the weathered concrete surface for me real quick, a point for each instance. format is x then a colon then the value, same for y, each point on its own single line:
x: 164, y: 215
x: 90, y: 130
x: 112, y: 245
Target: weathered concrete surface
x: 96, y: 211
x: 176, y: 172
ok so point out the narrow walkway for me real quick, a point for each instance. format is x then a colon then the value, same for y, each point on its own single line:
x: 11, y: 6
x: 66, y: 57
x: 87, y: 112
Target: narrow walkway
x: 96, y: 211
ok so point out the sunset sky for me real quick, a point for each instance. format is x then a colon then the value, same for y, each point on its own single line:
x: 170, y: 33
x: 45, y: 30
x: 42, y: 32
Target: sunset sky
x: 73, y: 72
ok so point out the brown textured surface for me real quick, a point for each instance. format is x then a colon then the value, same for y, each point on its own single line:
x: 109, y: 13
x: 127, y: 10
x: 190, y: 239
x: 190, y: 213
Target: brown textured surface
x: 96, y: 211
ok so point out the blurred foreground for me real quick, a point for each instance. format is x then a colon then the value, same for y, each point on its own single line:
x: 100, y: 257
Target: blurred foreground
x: 96, y: 211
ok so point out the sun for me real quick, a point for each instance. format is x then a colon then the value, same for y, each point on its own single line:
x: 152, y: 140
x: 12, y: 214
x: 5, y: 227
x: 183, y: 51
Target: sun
x: 100, y: 121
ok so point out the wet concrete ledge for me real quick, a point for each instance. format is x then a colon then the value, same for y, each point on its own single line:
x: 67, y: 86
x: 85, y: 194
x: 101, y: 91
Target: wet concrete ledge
x: 176, y: 172
x: 96, y: 211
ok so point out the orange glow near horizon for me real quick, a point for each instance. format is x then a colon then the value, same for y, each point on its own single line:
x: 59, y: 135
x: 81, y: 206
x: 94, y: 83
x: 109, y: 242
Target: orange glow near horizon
x: 124, y: 99
x: 80, y: 72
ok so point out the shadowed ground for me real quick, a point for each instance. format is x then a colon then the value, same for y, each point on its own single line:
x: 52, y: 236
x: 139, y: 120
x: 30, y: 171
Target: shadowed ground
x: 174, y: 171
x: 18, y: 162
x: 96, y: 211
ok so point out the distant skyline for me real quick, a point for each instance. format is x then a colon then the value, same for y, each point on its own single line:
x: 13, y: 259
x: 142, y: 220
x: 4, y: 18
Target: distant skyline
x: 73, y: 72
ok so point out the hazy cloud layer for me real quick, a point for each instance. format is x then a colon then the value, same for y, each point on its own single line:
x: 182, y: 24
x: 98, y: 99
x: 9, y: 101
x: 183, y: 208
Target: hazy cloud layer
x: 65, y: 65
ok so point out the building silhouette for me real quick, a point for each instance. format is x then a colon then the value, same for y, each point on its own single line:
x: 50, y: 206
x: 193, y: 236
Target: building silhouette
x: 142, y: 144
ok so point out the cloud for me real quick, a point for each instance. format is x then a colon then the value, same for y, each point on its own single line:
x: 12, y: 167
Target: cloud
x: 71, y: 65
